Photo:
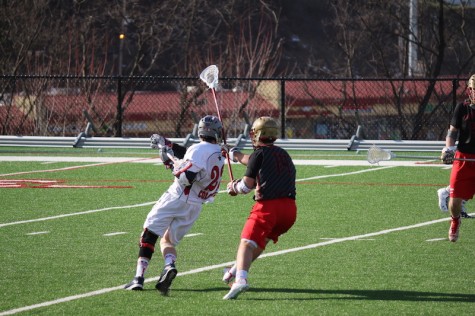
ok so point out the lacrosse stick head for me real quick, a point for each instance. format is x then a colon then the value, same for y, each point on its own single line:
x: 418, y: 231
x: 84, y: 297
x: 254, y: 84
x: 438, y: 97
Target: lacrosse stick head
x: 210, y: 76
x: 376, y: 154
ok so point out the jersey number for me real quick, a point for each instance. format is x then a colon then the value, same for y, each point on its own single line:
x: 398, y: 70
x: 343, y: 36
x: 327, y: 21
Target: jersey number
x: 212, y: 188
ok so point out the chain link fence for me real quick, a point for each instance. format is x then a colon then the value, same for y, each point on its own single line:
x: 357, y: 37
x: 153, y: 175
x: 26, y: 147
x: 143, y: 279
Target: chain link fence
x: 415, y: 109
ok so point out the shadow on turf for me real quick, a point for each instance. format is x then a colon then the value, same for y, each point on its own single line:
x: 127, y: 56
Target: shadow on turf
x: 377, y: 295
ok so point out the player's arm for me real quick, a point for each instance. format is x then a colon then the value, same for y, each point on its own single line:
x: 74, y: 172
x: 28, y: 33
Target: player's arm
x: 451, y: 137
x: 448, y: 152
x: 248, y: 181
x: 237, y: 156
x: 179, y: 150
x: 182, y: 171
x: 241, y: 186
x: 168, y: 150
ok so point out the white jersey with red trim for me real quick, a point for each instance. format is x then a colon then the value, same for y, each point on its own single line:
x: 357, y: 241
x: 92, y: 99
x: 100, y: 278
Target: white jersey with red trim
x: 207, y: 161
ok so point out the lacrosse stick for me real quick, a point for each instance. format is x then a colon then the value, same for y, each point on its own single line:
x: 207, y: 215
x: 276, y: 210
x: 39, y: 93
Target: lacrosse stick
x: 172, y: 158
x: 376, y: 154
x: 210, y: 77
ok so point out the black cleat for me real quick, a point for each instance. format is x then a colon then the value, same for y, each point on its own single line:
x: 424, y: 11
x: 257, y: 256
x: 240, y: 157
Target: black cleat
x: 135, y: 285
x: 465, y: 215
x: 166, y: 278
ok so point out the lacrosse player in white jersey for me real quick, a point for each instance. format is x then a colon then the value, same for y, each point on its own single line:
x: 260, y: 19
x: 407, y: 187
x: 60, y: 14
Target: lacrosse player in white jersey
x: 197, y: 172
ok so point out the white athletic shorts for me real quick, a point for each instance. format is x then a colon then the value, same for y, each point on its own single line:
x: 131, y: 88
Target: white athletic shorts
x: 173, y: 214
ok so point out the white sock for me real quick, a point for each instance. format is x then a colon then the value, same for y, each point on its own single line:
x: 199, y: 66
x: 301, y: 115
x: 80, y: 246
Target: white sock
x: 170, y: 259
x: 241, y: 276
x: 142, y: 265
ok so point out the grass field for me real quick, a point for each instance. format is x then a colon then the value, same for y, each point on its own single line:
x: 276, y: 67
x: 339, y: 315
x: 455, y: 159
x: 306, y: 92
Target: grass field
x: 369, y: 240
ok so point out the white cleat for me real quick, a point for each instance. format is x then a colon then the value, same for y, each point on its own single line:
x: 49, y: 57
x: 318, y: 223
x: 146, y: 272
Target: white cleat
x: 235, y: 290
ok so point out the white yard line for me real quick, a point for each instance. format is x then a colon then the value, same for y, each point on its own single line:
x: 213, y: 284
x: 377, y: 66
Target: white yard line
x: 222, y: 265
x: 436, y: 239
x: 114, y: 234
x: 328, y: 163
x: 38, y: 233
x: 150, y: 203
x: 193, y: 235
x: 74, y: 214
x: 344, y: 174
x: 212, y: 267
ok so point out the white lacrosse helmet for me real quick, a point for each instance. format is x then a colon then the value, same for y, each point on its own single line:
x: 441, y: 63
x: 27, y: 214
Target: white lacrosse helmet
x: 210, y: 126
x: 265, y: 130
x: 471, y: 89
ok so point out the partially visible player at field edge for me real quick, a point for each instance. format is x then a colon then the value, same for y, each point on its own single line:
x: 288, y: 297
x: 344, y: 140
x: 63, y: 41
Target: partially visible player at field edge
x: 271, y: 172
x: 443, y: 195
x: 462, y: 177
x: 197, y: 178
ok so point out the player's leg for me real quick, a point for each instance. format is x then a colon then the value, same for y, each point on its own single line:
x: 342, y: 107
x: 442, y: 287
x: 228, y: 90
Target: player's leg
x: 147, y: 243
x: 443, y: 195
x: 462, y: 187
x: 230, y: 272
x: 455, y: 207
x: 169, y: 271
x: 248, y: 250
x: 185, y: 216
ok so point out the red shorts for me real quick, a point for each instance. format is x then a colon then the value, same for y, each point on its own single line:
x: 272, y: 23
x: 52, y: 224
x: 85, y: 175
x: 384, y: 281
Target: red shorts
x: 269, y: 219
x: 462, y: 178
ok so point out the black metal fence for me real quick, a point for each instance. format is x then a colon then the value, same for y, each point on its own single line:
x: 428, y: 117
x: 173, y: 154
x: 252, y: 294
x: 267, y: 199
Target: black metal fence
x: 415, y: 109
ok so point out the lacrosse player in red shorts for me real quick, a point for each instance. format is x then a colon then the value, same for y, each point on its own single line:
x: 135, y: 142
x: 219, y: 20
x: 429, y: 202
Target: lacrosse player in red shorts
x: 197, y: 178
x: 462, y: 177
x: 271, y: 172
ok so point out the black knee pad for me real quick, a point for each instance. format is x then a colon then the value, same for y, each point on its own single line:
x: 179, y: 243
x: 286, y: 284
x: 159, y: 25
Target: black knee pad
x: 147, y: 244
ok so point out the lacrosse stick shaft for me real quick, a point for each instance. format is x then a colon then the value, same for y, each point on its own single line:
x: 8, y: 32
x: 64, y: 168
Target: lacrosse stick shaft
x: 210, y: 77
x: 429, y: 157
x: 172, y: 158
x: 376, y: 154
x: 230, y: 170
x: 216, y: 103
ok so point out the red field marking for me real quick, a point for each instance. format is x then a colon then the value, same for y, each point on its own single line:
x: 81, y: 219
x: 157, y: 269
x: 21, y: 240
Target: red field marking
x: 53, y: 184
x: 121, y: 180
x: 74, y: 167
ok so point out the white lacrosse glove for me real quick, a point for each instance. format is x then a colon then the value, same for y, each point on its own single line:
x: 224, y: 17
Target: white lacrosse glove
x: 158, y: 141
x: 237, y: 186
x: 165, y: 154
x: 231, y: 187
x: 448, y: 155
x: 231, y: 153
x: 165, y: 146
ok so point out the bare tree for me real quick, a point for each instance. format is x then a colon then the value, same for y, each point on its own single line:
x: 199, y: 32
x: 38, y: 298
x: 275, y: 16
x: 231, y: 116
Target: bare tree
x: 379, y: 46
x: 240, y: 37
